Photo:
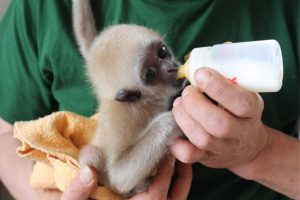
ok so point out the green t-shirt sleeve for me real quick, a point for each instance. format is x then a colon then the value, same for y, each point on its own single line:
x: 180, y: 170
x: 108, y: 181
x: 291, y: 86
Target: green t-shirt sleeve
x: 25, y: 89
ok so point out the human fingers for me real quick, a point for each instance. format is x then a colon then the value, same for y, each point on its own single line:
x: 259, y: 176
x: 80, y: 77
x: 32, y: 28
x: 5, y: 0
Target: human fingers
x: 46, y: 194
x: 161, y: 182
x: 186, y: 152
x: 182, y: 183
x: 214, y: 119
x: 194, y: 131
x: 83, y: 186
x: 235, y: 99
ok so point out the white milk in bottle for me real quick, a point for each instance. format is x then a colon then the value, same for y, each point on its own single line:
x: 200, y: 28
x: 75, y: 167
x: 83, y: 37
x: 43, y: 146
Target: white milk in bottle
x: 255, y: 66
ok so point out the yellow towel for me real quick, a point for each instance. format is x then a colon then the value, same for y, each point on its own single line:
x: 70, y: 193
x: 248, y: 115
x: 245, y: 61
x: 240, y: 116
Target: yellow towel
x: 54, y: 142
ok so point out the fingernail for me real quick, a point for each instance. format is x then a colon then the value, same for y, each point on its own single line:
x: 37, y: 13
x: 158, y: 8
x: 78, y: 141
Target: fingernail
x: 176, y: 102
x: 202, y: 76
x: 86, y: 175
x: 186, y: 91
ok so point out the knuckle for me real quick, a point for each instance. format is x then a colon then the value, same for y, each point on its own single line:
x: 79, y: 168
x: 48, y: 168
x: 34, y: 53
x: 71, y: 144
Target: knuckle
x: 186, y: 157
x: 250, y: 105
x: 221, y: 127
x: 76, y: 191
x: 177, y: 113
x: 203, y: 141
x: 192, y: 98
x: 204, y: 156
x: 245, y: 106
x: 188, y: 100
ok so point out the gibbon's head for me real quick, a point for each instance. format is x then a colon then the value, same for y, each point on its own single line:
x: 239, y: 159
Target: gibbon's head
x: 129, y: 62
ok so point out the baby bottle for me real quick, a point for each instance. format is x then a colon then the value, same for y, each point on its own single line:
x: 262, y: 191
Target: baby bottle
x: 255, y: 66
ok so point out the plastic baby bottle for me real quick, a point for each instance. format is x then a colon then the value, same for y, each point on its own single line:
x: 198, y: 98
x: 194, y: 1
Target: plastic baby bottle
x: 255, y: 66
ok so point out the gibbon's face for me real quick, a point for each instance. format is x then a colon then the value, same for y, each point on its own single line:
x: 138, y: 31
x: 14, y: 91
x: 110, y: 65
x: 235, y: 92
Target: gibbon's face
x: 127, y: 62
x: 158, y: 66
x: 157, y: 74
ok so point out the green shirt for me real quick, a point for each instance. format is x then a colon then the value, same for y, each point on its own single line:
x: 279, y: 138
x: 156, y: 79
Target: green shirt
x: 41, y: 69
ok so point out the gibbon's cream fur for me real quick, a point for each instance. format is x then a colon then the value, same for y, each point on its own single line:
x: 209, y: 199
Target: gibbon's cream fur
x: 133, y: 74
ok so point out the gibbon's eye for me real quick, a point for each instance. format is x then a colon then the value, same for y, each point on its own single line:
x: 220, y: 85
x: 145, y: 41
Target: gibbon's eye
x: 150, y: 74
x: 162, y: 52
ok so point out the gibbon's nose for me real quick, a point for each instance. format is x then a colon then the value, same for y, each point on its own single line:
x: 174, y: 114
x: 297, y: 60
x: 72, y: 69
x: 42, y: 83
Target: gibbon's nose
x: 175, y: 64
x: 172, y: 67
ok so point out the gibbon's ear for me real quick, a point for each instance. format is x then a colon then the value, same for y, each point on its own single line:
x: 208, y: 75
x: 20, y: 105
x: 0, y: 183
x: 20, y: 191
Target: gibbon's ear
x: 125, y: 95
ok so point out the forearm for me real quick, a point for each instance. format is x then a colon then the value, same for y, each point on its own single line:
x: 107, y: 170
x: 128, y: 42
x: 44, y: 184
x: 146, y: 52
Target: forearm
x: 14, y: 171
x: 277, y: 166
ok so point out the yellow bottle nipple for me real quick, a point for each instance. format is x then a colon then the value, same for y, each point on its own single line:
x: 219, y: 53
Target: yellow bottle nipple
x: 183, y: 71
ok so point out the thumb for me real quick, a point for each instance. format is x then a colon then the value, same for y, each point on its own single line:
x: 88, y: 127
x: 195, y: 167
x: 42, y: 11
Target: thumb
x: 83, y: 186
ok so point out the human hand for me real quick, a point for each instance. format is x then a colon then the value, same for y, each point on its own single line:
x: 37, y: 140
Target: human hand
x: 85, y: 183
x: 20, y: 169
x: 160, y: 187
x: 226, y: 135
x: 16, y: 168
x: 83, y: 186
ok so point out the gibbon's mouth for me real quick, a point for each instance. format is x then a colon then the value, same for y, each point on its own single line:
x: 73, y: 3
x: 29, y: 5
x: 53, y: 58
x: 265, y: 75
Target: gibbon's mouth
x: 172, y: 70
x: 172, y: 74
x: 178, y: 83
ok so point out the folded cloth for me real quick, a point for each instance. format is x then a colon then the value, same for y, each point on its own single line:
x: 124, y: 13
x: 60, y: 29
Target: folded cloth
x: 54, y: 142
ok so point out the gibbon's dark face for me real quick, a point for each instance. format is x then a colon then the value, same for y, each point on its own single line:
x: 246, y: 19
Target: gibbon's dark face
x: 158, y: 70
x: 159, y: 66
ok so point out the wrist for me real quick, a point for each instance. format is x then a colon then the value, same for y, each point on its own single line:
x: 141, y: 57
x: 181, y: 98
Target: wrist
x: 277, y: 166
x: 256, y: 167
